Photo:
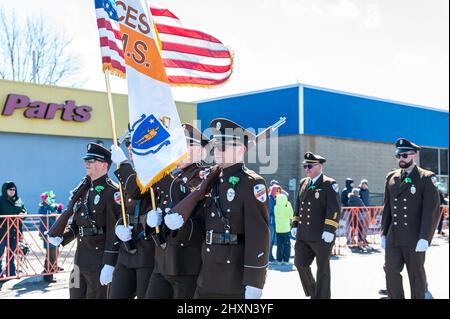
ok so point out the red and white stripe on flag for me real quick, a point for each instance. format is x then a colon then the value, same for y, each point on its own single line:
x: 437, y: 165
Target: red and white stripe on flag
x: 110, y: 39
x: 190, y: 57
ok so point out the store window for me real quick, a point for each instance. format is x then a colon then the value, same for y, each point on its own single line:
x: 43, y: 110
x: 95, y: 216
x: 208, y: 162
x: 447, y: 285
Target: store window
x: 443, y: 158
x: 429, y: 159
x: 436, y: 160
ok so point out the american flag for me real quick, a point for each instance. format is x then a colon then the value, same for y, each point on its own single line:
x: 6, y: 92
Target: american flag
x: 110, y: 39
x: 190, y: 57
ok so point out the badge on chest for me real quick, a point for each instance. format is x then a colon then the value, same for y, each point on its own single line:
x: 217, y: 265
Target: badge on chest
x: 230, y: 194
x: 96, y: 199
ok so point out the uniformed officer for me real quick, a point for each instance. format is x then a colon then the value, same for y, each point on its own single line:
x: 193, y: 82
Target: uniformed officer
x: 235, y: 251
x: 410, y: 215
x: 94, y: 219
x: 136, y: 255
x: 178, y: 264
x: 315, y: 221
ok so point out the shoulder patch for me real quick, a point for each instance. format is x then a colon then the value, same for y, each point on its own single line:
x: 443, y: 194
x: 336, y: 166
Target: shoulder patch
x: 434, y: 180
x: 260, y: 192
x: 117, y: 198
x: 335, y: 187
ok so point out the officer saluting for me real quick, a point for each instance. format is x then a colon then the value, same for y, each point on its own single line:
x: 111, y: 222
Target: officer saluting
x: 136, y: 255
x: 316, y: 219
x: 178, y: 264
x: 94, y: 218
x: 235, y: 252
x: 410, y: 215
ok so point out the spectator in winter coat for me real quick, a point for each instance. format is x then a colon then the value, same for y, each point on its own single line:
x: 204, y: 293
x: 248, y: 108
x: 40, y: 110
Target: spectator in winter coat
x: 283, y: 217
x: 347, y: 190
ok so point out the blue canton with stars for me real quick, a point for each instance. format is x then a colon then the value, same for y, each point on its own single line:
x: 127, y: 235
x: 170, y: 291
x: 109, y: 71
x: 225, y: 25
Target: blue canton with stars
x: 109, y: 6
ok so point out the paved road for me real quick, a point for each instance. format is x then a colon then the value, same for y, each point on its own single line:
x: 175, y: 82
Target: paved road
x: 355, y: 275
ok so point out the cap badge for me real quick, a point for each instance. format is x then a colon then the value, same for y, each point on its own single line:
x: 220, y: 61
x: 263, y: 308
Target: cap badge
x: 401, y: 142
x: 218, y: 125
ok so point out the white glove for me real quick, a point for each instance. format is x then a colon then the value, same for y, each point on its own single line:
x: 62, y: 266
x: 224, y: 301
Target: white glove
x: 124, y: 233
x: 55, y: 241
x: 117, y: 155
x: 106, y: 274
x: 294, y: 232
x: 174, y: 221
x: 154, y: 217
x: 252, y: 292
x: 327, y: 236
x: 383, y: 242
x: 422, y: 245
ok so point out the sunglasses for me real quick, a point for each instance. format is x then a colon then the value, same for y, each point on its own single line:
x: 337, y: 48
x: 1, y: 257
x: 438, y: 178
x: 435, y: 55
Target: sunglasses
x: 91, y: 160
x: 309, y: 166
x: 11, y: 189
x: 403, y: 155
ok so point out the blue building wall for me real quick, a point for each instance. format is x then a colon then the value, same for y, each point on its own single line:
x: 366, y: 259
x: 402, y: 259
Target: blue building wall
x: 257, y: 110
x: 38, y: 163
x: 334, y: 114
x: 347, y: 116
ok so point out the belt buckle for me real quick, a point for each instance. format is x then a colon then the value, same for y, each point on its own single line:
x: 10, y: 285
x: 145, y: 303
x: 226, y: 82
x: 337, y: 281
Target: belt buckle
x: 209, y: 236
x: 227, y: 237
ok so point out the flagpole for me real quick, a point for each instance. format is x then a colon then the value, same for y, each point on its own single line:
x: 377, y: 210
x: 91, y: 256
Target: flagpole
x: 114, y: 133
x: 152, y: 193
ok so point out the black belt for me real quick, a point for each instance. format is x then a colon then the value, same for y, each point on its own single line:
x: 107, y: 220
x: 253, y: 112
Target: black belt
x: 90, y: 231
x: 213, y: 238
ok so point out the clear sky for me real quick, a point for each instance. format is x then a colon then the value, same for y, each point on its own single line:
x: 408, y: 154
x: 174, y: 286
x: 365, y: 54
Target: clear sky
x: 391, y: 49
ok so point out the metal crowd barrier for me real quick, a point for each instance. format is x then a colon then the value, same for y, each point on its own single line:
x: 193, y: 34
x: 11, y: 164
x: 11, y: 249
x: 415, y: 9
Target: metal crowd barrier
x: 24, y: 246
x: 25, y: 250
x: 361, y: 226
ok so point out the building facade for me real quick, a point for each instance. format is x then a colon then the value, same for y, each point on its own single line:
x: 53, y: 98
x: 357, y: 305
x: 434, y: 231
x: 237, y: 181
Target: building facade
x: 44, y: 131
x: 355, y: 133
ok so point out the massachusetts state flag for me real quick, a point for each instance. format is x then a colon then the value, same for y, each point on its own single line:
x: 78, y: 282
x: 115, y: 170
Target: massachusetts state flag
x: 157, y: 137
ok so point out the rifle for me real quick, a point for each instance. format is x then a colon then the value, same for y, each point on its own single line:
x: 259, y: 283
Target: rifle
x: 266, y: 133
x: 57, y: 229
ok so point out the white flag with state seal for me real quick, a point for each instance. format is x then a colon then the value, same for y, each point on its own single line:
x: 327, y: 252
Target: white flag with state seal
x: 157, y: 137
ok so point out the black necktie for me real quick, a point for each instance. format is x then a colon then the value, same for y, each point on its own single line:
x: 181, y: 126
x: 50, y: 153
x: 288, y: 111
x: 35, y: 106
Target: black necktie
x: 404, y: 174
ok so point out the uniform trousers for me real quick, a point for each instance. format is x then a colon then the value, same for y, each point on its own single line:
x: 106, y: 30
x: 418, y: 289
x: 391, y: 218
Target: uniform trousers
x: 305, y: 252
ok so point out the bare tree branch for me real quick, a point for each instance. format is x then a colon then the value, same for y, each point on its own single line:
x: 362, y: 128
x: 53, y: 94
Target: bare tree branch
x: 53, y: 62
